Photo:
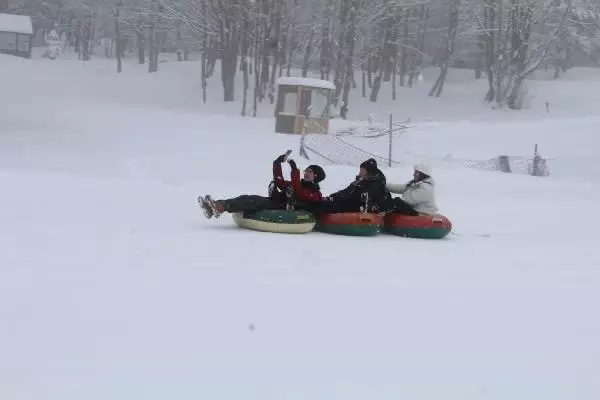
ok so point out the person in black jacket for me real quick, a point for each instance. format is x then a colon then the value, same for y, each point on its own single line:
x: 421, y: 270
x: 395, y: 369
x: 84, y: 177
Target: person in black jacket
x: 368, y: 193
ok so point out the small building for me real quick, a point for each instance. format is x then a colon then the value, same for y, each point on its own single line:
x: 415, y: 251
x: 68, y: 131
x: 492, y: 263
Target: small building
x: 303, y: 105
x: 16, y: 35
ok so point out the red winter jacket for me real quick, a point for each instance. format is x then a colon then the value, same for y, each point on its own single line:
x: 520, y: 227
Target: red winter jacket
x: 309, y: 195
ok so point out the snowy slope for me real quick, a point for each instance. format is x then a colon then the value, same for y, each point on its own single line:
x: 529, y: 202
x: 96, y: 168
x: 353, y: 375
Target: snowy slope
x: 112, y: 284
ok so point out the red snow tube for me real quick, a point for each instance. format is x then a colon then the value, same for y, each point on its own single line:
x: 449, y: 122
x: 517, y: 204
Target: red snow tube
x: 434, y: 226
x: 350, y: 224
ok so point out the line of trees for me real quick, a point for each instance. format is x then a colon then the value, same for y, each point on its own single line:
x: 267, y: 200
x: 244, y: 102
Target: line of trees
x: 358, y: 44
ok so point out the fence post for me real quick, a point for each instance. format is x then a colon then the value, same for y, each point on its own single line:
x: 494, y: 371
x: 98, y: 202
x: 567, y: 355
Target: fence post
x: 302, y: 151
x: 536, y: 159
x: 390, y: 145
x: 504, y: 164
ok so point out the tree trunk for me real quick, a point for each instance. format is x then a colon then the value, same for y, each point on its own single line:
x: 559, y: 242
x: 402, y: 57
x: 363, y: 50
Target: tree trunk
x: 244, y: 63
x: 405, y: 51
x: 370, y: 71
x: 141, y: 47
x: 203, y: 71
x: 229, y: 45
x: 375, y: 90
x: 151, y: 46
x: 257, y: 67
x: 326, y: 45
x: 480, y: 56
x: 489, y: 24
x: 395, y: 61
x: 179, y: 42
x: 277, y: 50
x: 421, y: 35
x: 118, y: 40
x: 390, y: 49
x: 307, y: 53
x: 257, y: 88
x: 380, y: 66
x: 341, y: 60
x: 350, y: 41
x: 437, y: 88
x: 364, y: 81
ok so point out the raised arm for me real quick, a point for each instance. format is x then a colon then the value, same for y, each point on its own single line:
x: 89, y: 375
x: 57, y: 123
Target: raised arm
x: 278, y: 173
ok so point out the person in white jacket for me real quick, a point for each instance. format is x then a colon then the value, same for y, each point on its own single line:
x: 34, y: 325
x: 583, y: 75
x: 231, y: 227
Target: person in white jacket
x: 418, y: 195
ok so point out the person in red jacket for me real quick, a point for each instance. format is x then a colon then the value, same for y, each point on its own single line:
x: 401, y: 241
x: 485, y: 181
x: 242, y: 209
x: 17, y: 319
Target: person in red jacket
x: 295, y: 193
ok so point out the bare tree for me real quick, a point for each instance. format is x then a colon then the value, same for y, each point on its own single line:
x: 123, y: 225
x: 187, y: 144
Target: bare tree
x: 448, y: 50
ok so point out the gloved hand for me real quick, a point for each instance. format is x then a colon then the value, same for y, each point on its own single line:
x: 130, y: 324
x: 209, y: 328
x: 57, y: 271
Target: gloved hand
x: 328, y: 199
x: 292, y: 164
x: 280, y: 159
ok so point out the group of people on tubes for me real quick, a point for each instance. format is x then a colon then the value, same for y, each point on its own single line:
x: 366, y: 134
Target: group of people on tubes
x: 369, y: 192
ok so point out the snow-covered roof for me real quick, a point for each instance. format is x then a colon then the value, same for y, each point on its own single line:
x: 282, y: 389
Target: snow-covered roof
x: 16, y: 24
x: 297, y: 81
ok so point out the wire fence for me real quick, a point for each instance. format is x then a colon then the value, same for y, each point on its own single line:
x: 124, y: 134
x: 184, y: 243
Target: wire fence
x: 335, y: 148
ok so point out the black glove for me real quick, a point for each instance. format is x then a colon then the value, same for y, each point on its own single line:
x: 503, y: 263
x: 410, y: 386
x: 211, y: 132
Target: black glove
x: 292, y: 164
x: 283, y: 157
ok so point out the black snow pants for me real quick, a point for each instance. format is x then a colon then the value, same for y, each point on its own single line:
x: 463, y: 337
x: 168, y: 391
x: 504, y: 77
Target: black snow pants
x: 339, y: 206
x: 248, y: 202
x: 401, y: 207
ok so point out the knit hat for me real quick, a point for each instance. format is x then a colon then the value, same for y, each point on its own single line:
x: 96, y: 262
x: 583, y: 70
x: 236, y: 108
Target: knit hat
x: 318, y: 171
x: 424, y: 169
x: 370, y: 166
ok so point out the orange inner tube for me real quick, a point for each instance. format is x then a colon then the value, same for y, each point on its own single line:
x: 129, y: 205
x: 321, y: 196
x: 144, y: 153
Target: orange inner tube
x: 355, y: 218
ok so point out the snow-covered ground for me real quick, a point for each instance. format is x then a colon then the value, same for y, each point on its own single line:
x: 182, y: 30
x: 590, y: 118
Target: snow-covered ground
x: 113, y: 285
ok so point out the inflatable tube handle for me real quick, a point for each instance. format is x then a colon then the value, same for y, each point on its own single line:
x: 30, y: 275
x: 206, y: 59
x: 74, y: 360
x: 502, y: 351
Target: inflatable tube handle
x: 364, y: 217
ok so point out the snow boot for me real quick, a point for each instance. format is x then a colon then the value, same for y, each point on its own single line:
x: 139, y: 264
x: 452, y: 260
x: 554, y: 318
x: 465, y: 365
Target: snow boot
x: 217, y: 207
x: 206, y: 208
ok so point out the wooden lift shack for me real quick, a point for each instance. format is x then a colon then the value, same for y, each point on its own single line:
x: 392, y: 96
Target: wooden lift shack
x: 303, y: 105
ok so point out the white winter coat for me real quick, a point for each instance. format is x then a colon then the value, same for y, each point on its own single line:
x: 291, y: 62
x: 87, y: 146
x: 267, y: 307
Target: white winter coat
x: 420, y: 195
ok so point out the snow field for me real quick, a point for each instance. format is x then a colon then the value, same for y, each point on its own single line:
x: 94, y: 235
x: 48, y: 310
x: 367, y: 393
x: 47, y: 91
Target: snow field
x: 113, y: 285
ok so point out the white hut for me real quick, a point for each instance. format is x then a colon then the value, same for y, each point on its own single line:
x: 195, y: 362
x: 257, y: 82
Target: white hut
x: 16, y: 34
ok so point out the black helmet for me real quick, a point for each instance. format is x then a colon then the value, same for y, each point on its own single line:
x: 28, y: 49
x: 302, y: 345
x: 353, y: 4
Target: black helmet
x: 318, y: 171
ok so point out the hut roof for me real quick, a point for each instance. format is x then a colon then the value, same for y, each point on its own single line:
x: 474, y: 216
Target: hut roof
x: 16, y: 24
x: 299, y: 81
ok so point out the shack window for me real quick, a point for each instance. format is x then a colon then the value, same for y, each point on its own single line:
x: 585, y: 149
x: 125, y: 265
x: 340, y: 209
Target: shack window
x: 320, y: 103
x: 23, y: 42
x: 8, y: 41
x: 290, y: 103
x: 306, y: 102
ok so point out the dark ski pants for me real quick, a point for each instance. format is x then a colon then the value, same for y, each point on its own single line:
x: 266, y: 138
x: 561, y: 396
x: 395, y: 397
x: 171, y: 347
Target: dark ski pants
x: 249, y: 202
x: 401, y: 207
x: 333, y: 207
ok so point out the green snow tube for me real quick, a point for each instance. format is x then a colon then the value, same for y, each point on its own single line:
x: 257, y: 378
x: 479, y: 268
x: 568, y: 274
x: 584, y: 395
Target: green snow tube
x: 277, y: 221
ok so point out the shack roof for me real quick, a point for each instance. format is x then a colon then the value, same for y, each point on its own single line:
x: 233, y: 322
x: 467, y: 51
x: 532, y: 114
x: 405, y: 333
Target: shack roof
x: 299, y: 81
x: 16, y: 24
